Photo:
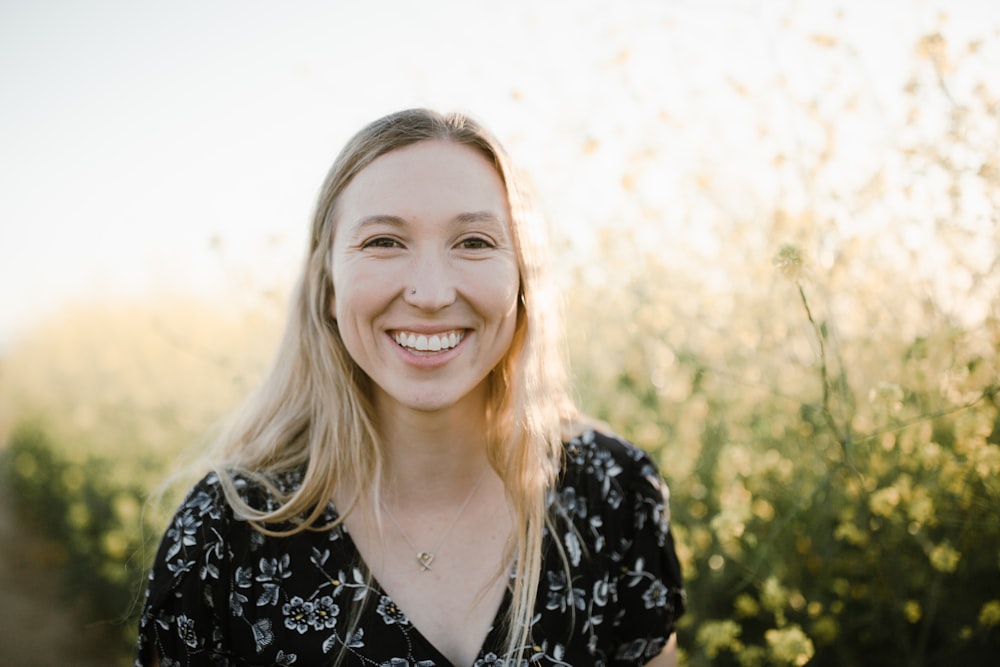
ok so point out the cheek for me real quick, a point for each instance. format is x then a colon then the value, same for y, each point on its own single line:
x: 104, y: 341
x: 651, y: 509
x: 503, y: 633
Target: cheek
x: 346, y: 306
x: 346, y: 278
x: 361, y: 294
x: 507, y: 298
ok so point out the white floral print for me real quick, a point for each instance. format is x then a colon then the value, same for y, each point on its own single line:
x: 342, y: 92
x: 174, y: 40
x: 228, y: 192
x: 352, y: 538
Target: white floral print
x: 222, y: 593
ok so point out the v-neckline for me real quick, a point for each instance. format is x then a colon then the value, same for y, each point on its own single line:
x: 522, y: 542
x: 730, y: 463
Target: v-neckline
x: 489, y: 640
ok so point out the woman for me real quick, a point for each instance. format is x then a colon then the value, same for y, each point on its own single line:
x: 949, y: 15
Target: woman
x: 405, y: 487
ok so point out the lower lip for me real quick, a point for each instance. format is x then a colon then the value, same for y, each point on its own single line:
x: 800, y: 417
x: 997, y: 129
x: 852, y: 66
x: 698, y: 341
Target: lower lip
x: 428, y: 358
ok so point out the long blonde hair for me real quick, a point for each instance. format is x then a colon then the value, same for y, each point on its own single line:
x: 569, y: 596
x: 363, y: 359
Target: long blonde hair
x: 314, y: 409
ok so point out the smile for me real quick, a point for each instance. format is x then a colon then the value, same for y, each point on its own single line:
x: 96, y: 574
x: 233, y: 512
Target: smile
x: 424, y: 343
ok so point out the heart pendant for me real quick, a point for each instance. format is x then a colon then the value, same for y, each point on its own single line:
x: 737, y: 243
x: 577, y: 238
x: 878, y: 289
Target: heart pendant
x: 425, y: 559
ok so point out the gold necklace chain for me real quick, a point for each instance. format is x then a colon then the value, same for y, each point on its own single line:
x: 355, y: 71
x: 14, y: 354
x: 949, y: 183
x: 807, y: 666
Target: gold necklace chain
x: 425, y: 558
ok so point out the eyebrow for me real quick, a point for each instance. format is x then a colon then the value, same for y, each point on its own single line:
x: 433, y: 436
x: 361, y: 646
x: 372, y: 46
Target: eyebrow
x: 396, y: 221
x: 477, y: 216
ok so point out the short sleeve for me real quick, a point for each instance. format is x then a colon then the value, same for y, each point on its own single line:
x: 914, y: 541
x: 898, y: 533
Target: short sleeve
x: 180, y: 622
x: 650, y: 595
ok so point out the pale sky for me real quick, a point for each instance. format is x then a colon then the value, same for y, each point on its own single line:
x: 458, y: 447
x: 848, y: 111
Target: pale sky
x: 134, y: 134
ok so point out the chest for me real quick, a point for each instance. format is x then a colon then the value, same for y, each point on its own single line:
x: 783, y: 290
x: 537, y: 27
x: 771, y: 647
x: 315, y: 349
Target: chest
x: 452, y: 594
x: 310, y: 602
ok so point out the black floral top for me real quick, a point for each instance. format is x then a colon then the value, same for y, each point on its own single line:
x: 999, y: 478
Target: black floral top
x: 221, y: 593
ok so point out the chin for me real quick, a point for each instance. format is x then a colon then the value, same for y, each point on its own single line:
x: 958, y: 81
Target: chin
x: 432, y: 398
x: 439, y: 403
x: 431, y: 405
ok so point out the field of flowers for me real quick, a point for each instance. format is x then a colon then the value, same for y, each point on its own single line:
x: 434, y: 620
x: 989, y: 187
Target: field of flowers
x: 835, y: 495
x: 102, y: 405
x: 822, y: 392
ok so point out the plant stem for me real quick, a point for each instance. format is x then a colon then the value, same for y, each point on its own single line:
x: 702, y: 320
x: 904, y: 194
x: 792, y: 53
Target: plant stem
x: 824, y: 375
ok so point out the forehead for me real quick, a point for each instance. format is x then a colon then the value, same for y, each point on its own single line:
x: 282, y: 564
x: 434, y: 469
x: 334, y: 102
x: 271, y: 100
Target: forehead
x: 434, y: 178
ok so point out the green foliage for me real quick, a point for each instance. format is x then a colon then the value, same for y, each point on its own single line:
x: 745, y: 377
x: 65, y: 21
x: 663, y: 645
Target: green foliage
x: 95, y: 518
x: 838, y: 509
x: 823, y: 394
x: 105, y: 401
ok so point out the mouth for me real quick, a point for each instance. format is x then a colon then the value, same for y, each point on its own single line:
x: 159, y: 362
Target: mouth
x: 418, y: 342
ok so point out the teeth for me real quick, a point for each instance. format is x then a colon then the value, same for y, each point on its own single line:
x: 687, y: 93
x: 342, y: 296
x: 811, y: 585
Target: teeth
x: 433, y: 343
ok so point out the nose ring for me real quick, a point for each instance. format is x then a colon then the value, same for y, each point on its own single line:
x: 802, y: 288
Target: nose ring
x: 412, y: 291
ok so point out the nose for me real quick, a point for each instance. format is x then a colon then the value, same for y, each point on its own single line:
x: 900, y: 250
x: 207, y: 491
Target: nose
x: 432, y: 283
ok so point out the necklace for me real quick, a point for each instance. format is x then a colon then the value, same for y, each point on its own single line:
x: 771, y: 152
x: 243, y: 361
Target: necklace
x: 425, y: 558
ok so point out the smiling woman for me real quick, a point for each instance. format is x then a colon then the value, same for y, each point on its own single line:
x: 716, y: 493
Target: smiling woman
x: 411, y: 484
x: 423, y: 252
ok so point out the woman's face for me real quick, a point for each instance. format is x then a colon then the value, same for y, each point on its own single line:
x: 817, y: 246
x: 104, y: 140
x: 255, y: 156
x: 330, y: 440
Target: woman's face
x: 425, y: 276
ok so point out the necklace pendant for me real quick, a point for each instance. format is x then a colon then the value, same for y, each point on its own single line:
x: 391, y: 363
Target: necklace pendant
x: 425, y: 559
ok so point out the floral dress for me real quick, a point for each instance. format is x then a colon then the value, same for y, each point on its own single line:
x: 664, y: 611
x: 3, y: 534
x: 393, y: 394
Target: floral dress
x: 221, y: 593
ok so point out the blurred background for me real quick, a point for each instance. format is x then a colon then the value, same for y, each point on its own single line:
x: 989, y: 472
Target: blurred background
x: 775, y: 223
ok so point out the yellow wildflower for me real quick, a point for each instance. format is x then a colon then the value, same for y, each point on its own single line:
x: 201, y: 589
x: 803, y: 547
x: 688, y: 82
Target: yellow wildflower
x: 773, y: 595
x: 825, y: 629
x: 745, y: 606
x: 945, y: 557
x: 884, y: 501
x: 912, y: 611
x: 718, y: 636
x: 790, y: 645
x: 989, y: 615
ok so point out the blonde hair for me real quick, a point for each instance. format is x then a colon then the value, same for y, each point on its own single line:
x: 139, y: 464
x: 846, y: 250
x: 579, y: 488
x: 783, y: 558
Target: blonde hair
x: 314, y: 410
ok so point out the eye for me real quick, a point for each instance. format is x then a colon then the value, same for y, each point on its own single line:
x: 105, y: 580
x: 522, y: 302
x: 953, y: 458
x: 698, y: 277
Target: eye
x: 475, y: 243
x: 381, y: 242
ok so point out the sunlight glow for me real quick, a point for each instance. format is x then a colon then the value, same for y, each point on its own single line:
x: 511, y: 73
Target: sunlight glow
x: 179, y: 148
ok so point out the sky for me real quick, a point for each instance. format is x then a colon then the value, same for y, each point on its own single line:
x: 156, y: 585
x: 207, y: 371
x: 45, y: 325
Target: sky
x: 149, y: 147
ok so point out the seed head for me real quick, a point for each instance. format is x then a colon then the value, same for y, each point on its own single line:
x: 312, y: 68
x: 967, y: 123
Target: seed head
x: 790, y: 261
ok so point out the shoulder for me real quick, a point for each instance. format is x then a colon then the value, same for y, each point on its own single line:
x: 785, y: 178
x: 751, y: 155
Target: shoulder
x: 200, y: 524
x: 610, y: 461
x: 207, y: 503
x: 611, y: 504
x: 199, y: 537
x: 609, y: 480
x: 592, y: 443
x: 204, y: 505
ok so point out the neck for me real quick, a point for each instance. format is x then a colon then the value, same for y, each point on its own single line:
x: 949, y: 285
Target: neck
x: 433, y: 456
